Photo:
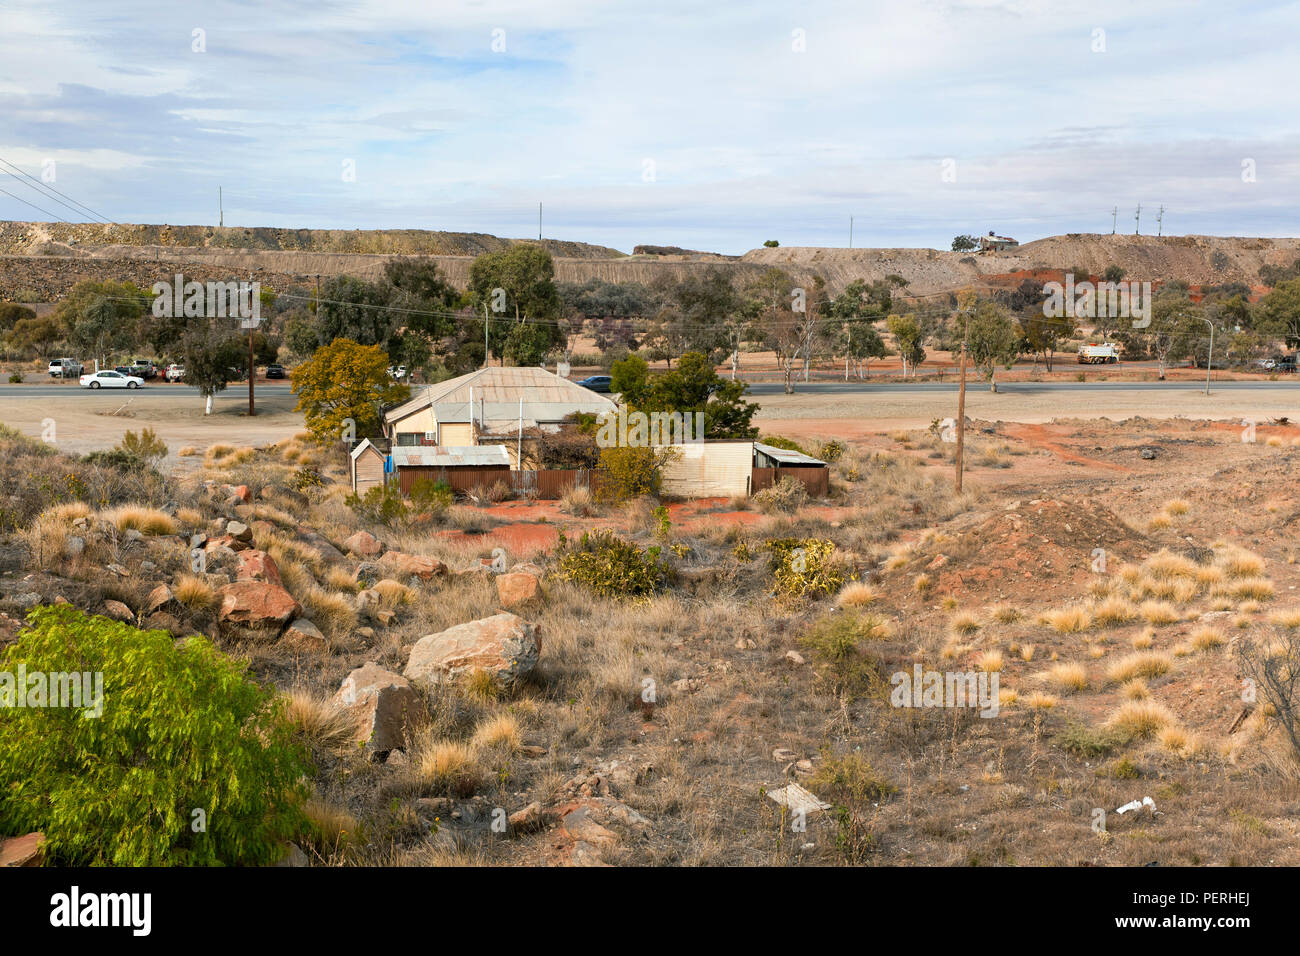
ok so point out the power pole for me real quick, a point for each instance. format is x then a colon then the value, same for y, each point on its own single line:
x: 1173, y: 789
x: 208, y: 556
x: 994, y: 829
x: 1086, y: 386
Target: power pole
x: 486, y: 354
x: 1161, y: 216
x: 1137, y: 220
x: 221, y: 209
x: 961, y: 406
x: 539, y: 222
x: 252, y: 371
x: 1114, y: 218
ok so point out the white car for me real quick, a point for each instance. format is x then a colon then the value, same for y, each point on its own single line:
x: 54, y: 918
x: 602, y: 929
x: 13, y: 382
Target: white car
x: 174, y: 373
x: 397, y: 371
x: 110, y: 379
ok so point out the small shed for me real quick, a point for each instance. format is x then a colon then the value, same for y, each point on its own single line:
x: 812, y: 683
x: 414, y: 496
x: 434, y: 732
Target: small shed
x: 771, y: 464
x: 367, y: 467
x: 709, y: 469
x: 464, y: 468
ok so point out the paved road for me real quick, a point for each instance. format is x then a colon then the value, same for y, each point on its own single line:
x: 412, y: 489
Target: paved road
x: 52, y: 390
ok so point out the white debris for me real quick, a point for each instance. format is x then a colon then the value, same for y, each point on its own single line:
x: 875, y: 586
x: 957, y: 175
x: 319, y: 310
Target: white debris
x: 1138, y: 805
x: 798, y: 799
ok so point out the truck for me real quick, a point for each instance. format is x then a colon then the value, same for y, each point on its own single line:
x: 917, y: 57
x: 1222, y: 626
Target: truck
x: 1098, y: 354
x: 66, y: 368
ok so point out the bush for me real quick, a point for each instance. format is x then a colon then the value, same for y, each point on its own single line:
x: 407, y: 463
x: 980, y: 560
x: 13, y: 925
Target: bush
x: 182, y: 729
x: 630, y: 472
x: 802, y: 567
x: 788, y: 495
x: 430, y: 494
x: 305, y: 480
x: 381, y: 504
x: 609, y: 566
x: 15, y: 378
x: 1090, y: 743
x: 145, y: 446
x: 836, y: 642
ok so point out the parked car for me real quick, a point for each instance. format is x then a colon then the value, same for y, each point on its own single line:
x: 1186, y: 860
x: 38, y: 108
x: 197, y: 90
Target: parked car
x: 597, y: 383
x: 110, y: 378
x: 174, y: 373
x: 275, y: 371
x: 1285, y: 363
x: 144, y: 369
x: 66, y: 368
x: 397, y: 371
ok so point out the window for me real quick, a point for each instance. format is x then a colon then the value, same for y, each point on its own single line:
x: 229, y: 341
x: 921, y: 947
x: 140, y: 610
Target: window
x: 407, y: 438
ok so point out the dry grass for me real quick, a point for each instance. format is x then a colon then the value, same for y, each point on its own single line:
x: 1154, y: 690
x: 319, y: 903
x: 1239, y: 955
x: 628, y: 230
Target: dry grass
x: 331, y: 828
x: 194, y: 593
x: 333, y: 613
x: 1113, y: 612
x: 1141, y: 718
x: 1065, y: 677
x: 1143, y: 664
x: 188, y: 451
x: 339, y: 579
x: 1135, y: 689
x: 498, y: 732
x: 1038, y: 700
x: 1255, y: 589
x: 1160, y: 522
x: 1005, y: 614
x: 141, y: 518
x: 990, y: 661
x: 964, y: 624
x: 857, y: 594
x: 321, y: 722
x: 1240, y: 563
x: 443, y: 765
x: 578, y: 501
x: 218, y: 451
x: 1144, y: 640
x: 189, y: 517
x: 1287, y: 619
x: 393, y: 593
x: 1070, y: 620
x: 1177, y: 507
x: 1158, y: 613
x: 1206, y: 638
x: 921, y: 583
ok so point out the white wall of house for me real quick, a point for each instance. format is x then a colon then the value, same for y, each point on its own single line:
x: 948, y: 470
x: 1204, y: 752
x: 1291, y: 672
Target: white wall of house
x: 710, y: 470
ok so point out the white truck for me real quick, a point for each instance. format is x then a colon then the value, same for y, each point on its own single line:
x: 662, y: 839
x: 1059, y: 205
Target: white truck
x: 65, y: 368
x: 1095, y: 354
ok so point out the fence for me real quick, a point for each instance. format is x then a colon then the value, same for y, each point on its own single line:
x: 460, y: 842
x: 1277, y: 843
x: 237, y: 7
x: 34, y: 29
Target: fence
x: 817, y: 480
x: 462, y: 478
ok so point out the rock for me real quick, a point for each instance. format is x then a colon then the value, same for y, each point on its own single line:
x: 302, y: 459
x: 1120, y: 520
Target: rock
x: 293, y: 857
x: 303, y: 635
x: 402, y: 566
x: 687, y: 685
x: 397, y: 758
x: 384, y: 704
x: 240, y: 492
x: 795, y: 658
x: 117, y: 569
x: 26, y: 600
x: 9, y: 629
x: 503, y: 645
x: 364, y: 545
x: 133, y: 535
x: 784, y: 755
x: 118, y: 611
x: 1148, y: 453
x: 257, y: 604
x: 367, y: 602
x: 517, y: 587
x: 239, y: 531
x: 367, y: 573
x: 321, y: 545
x: 386, y: 617
x: 257, y: 565
x: 530, y: 818
x: 532, y: 751
x: 74, y: 547
x: 160, y: 598
x: 162, y: 621
x: 28, y: 850
x: 227, y: 542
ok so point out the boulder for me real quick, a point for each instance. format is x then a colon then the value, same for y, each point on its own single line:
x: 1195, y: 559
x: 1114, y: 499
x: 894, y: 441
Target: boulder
x: 402, y: 566
x: 26, y: 850
x: 383, y: 703
x: 364, y: 545
x: 160, y: 599
x: 517, y: 587
x: 257, y: 565
x: 503, y: 645
x: 227, y: 542
x: 239, y: 531
x: 118, y: 611
x: 257, y: 604
x: 367, y: 573
x: 321, y: 545
x: 303, y: 635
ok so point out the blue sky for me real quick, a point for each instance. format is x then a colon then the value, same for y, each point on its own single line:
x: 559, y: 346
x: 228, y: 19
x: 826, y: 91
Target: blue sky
x: 705, y: 126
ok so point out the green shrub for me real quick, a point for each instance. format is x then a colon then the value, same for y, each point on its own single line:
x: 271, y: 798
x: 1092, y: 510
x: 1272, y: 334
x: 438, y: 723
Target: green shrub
x: 429, y: 494
x: 853, y: 786
x: 802, y: 567
x: 629, y: 472
x: 836, y: 643
x: 145, y: 446
x: 780, y: 441
x: 182, y: 729
x: 1090, y: 743
x: 305, y: 480
x: 609, y: 566
x: 786, y: 496
x: 15, y: 378
x: 381, y: 504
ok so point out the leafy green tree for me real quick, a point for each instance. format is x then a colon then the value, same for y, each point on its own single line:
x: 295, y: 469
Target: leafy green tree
x: 1278, y: 313
x: 35, y: 334
x: 695, y: 386
x: 525, y: 275
x: 1042, y: 335
x: 351, y: 308
x: 209, y: 352
x: 11, y: 312
x: 182, y: 729
x: 964, y: 243
x: 907, y: 332
x: 345, y: 382
x: 103, y: 317
x: 992, y: 340
x: 630, y: 378
x: 1113, y: 273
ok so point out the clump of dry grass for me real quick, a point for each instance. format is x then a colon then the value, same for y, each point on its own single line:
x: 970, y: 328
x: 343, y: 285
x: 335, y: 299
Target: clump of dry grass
x: 1068, y: 620
x: 498, y: 732
x: 321, y: 722
x: 1158, y: 612
x: 218, y: 451
x: 1027, y: 653
x: 1066, y: 677
x: 189, y: 517
x: 1038, y: 700
x: 194, y: 593
x: 1177, y: 507
x: 1142, y: 664
x: 1287, y: 619
x: 857, y: 594
x: 1160, y: 522
x: 990, y: 661
x: 330, y: 828
x: 1255, y: 589
x: 578, y: 501
x: 333, y: 613
x: 1135, y: 689
x: 188, y: 451
x: 1141, y: 718
x: 444, y: 766
x: 1144, y: 640
x: 1113, y: 612
x: 1005, y: 614
x: 921, y: 583
x: 393, y: 593
x: 339, y: 579
x: 1206, y: 638
x: 1239, y: 563
x: 141, y: 518
x: 964, y: 624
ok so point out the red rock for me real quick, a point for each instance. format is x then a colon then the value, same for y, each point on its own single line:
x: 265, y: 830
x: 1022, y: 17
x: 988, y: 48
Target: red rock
x: 302, y: 635
x: 257, y: 565
x: 517, y: 587
x: 26, y: 850
x: 241, y: 491
x: 257, y: 604
x: 364, y: 544
x: 402, y: 565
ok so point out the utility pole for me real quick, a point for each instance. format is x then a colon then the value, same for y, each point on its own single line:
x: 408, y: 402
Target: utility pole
x: 539, y: 222
x: 961, y: 406
x: 1137, y: 220
x: 252, y: 371
x: 1114, y: 218
x: 486, y: 354
x: 221, y: 209
x: 1159, y: 218
x: 1209, y: 361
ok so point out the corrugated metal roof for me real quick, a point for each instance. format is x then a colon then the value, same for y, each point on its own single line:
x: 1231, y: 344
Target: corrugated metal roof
x: 437, y: 456
x: 506, y: 385
x: 786, y: 456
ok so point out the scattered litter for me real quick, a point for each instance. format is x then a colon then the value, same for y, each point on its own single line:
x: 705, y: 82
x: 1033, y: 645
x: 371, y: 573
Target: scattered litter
x: 796, y: 798
x: 1138, y: 805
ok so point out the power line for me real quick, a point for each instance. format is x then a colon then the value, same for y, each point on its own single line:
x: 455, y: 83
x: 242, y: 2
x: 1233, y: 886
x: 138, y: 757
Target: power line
x: 46, y: 186
x: 57, y: 218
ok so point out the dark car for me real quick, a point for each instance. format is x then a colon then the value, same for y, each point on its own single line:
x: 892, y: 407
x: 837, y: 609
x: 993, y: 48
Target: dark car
x: 275, y: 371
x: 597, y: 383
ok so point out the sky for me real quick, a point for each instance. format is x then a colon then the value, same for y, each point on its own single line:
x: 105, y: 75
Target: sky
x: 707, y: 126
